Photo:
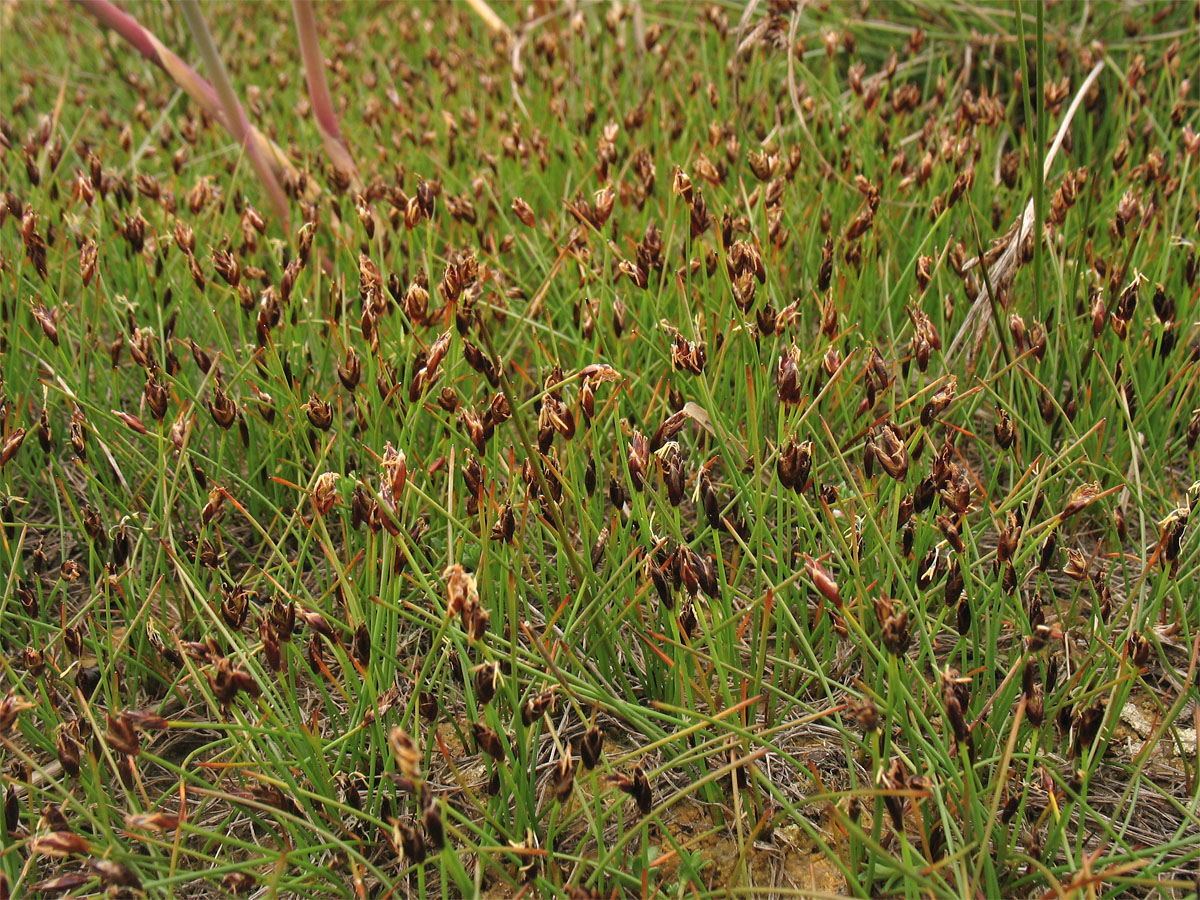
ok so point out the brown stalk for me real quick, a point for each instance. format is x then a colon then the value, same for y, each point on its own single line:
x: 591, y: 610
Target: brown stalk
x: 235, y: 116
x: 318, y: 91
x: 196, y: 87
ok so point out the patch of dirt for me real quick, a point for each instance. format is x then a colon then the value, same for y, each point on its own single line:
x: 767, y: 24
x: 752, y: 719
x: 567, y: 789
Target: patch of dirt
x: 789, y: 859
x: 1140, y: 718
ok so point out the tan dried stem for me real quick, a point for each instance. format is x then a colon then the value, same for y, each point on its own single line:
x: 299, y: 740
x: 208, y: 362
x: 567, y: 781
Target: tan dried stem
x: 490, y: 19
x: 1001, y: 273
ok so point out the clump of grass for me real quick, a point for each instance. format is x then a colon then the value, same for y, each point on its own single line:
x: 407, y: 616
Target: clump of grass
x: 584, y: 497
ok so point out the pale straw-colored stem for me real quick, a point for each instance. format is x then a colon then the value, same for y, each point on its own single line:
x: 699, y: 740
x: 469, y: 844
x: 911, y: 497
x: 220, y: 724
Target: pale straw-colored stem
x: 490, y: 19
x: 1004, y: 268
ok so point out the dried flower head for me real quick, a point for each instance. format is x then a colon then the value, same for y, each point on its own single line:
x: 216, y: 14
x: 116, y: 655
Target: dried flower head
x: 405, y: 752
x: 325, y: 495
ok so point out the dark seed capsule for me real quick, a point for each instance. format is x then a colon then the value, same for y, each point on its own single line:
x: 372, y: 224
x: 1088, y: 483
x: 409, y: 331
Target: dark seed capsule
x: 708, y: 577
x: 412, y: 844
x: 87, y: 679
x: 597, y: 556
x: 487, y: 680
x: 954, y: 584
x: 1087, y: 727
x: 435, y: 833
x: 1035, y: 707
x: 69, y: 752
x: 924, y: 494
x: 1046, y: 554
x: 362, y: 644
x: 564, y: 777
x: 1005, y: 430
x: 487, y: 740
x: 591, y: 747
x: 666, y: 595
x: 589, y: 477
x: 712, y: 506
x: 616, y: 493
x: 962, y: 618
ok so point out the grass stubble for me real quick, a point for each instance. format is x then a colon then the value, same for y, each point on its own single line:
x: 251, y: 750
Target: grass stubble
x: 578, y: 498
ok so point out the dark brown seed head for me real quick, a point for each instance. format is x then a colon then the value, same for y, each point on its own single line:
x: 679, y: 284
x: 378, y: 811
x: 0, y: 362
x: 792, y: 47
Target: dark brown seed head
x: 320, y: 413
x: 1138, y: 650
x: 506, y: 524
x: 1007, y: 539
x: 865, y: 713
x: 487, y: 740
x: 318, y: 624
x: 435, y: 832
x: 787, y: 377
x: 10, y: 445
x: 823, y: 581
x: 427, y: 705
x: 406, y: 753
x: 954, y: 715
x: 410, y: 842
x: 954, y: 584
x: 637, y: 786
x: 938, y: 402
x: 487, y: 681
x: 224, y: 409
x: 1004, y: 430
x: 563, y: 782
x: 894, y: 623
x: 68, y: 751
x: 639, y: 459
x: 1035, y: 706
x: 361, y: 644
x: 956, y: 495
x: 227, y: 266
x: 48, y: 320
x: 893, y: 780
x: 962, y: 616
x: 121, y: 735
x: 1087, y: 727
x: 591, y: 746
x: 890, y: 451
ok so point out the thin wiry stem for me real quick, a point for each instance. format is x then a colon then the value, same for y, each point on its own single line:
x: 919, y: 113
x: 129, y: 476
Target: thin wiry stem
x: 318, y: 91
x: 235, y: 116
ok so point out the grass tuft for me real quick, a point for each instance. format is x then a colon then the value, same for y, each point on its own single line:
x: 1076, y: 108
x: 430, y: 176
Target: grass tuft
x: 685, y: 451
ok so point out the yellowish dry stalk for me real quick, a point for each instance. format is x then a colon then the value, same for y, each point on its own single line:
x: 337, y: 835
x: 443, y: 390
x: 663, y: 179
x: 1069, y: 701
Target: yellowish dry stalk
x: 493, y: 21
x: 1005, y: 267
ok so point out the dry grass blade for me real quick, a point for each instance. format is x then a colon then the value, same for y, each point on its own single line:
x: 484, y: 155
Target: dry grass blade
x: 1001, y: 272
x: 489, y: 17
